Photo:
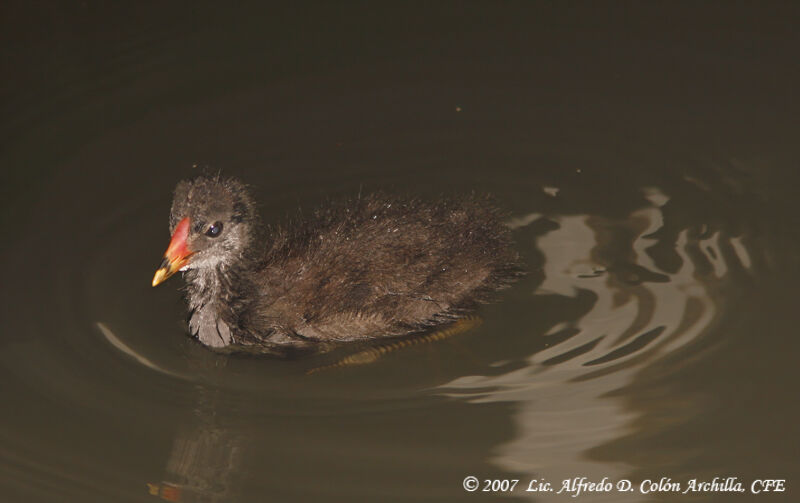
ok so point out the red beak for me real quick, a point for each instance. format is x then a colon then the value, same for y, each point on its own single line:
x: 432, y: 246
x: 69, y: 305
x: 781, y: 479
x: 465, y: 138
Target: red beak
x: 177, y: 254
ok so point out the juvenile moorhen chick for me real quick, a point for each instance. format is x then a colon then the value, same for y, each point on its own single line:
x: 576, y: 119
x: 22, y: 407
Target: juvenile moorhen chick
x: 372, y: 267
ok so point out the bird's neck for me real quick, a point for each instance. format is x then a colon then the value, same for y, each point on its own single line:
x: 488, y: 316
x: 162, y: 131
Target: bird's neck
x: 212, y: 295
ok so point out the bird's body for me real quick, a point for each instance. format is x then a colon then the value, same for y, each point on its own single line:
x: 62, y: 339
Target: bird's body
x: 373, y: 267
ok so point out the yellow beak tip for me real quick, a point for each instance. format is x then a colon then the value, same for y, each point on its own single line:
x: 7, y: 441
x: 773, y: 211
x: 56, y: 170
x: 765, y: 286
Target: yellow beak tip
x: 160, y: 276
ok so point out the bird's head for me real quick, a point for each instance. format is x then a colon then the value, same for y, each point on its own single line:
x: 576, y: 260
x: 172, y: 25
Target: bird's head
x: 211, y: 226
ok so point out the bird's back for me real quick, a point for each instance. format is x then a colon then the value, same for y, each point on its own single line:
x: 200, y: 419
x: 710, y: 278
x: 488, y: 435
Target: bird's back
x: 379, y: 266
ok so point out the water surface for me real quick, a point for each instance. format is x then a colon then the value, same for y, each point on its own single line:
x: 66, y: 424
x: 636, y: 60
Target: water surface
x: 647, y: 158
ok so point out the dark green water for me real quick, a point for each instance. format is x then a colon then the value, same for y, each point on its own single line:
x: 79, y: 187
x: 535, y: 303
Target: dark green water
x: 647, y: 152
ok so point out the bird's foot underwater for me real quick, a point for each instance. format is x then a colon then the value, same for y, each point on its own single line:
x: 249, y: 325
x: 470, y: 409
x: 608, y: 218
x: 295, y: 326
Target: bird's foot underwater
x: 374, y: 353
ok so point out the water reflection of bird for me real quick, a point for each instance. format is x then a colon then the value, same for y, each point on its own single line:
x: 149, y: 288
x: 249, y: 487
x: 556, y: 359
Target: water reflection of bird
x: 367, y: 268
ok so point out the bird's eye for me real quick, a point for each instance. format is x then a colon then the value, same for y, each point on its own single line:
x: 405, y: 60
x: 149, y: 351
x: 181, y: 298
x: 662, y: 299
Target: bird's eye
x: 214, y: 229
